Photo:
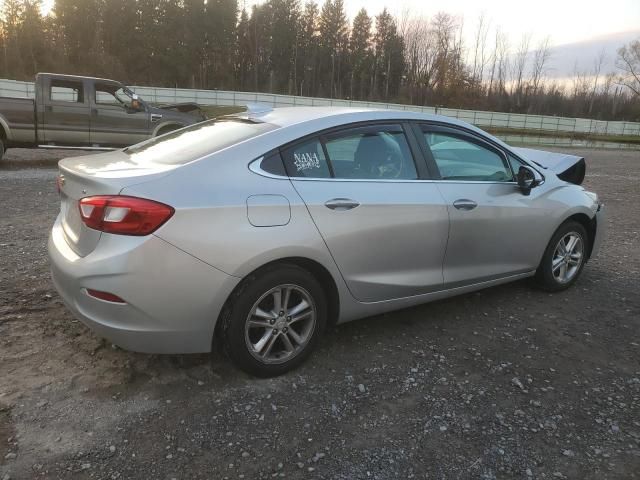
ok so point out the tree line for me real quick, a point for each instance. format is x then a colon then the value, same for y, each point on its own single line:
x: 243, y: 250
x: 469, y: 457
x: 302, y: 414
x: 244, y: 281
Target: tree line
x: 311, y: 49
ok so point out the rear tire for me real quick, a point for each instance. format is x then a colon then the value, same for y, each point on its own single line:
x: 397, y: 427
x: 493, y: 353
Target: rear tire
x: 2, y: 149
x: 274, y: 320
x: 564, y: 258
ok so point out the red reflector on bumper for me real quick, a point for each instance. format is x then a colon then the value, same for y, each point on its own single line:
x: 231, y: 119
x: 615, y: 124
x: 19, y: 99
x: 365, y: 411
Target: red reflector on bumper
x: 106, y: 296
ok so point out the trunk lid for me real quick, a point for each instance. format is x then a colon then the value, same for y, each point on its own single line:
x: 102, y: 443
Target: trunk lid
x: 570, y: 168
x: 102, y: 174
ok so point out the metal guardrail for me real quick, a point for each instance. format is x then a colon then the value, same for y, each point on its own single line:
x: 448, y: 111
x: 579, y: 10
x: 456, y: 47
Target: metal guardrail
x: 14, y: 88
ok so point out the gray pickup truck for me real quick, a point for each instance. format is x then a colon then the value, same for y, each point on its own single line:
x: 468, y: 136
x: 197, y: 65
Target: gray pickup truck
x: 86, y: 113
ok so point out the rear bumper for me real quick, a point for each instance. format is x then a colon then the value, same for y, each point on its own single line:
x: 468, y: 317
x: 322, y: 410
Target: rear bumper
x: 172, y: 299
x: 601, y: 228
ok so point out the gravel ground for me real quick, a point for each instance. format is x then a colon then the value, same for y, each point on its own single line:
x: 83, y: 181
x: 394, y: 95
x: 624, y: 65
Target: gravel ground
x: 509, y: 382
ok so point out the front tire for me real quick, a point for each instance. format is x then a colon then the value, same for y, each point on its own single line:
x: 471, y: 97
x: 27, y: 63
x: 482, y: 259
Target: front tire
x: 564, y: 258
x: 274, y: 320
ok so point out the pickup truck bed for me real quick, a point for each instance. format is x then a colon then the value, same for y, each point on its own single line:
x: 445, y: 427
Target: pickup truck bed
x: 20, y: 113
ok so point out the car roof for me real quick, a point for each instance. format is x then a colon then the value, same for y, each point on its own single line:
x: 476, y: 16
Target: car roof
x: 336, y: 116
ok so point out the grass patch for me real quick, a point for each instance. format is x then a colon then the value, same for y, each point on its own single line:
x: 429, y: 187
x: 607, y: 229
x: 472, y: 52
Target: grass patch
x: 596, y: 137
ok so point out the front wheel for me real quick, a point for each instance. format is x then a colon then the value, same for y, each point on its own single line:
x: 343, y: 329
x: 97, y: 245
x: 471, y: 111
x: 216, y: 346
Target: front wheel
x: 274, y: 320
x: 564, y: 258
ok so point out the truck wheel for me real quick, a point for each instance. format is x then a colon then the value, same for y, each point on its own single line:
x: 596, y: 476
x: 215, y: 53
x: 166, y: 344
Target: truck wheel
x: 2, y: 149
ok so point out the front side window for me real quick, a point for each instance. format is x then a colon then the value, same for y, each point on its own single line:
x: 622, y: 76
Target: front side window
x: 460, y: 159
x: 370, y: 153
x: 65, y: 91
x: 306, y: 160
x: 112, y: 95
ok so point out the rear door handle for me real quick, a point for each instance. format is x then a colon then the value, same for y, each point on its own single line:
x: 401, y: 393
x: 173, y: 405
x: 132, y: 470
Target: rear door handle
x: 341, y: 204
x: 465, y: 204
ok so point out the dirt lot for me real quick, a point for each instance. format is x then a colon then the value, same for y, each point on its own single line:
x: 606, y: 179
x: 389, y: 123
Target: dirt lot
x: 506, y: 383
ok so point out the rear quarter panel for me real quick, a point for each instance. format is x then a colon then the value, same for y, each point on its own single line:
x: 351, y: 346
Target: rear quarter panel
x: 212, y: 223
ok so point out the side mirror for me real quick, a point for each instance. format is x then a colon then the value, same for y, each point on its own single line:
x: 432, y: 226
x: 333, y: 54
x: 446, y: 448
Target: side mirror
x: 527, y: 179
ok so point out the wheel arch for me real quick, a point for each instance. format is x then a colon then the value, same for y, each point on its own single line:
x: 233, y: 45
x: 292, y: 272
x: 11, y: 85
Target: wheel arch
x: 589, y: 224
x: 166, y: 128
x: 5, y: 131
x: 314, y: 267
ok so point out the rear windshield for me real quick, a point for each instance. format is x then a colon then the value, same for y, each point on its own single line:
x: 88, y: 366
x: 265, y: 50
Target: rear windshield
x: 196, y: 141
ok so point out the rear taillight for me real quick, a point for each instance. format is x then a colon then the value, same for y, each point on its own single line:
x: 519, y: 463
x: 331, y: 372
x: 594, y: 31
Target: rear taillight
x: 123, y: 215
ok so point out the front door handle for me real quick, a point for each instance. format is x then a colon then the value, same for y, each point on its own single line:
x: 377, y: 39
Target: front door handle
x: 341, y: 204
x: 465, y: 204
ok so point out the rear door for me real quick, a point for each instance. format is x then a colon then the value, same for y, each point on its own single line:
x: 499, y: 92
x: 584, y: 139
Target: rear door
x: 495, y: 230
x: 65, y: 112
x: 385, y: 227
x: 113, y: 120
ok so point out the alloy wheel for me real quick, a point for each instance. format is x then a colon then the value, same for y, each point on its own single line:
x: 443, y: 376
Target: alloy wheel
x: 280, y: 324
x: 567, y: 257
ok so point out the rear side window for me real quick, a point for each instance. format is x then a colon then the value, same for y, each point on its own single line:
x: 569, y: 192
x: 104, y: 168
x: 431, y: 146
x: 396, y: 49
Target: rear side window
x: 272, y: 163
x: 377, y: 152
x: 188, y: 144
x: 65, y: 91
x: 306, y: 160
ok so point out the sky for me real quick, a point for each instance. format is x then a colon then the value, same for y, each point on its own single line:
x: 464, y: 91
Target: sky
x: 577, y: 28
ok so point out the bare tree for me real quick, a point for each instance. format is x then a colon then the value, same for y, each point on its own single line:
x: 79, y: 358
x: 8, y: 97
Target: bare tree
x: 629, y: 63
x: 480, y: 59
x: 595, y: 77
x: 519, y: 67
x: 540, y: 58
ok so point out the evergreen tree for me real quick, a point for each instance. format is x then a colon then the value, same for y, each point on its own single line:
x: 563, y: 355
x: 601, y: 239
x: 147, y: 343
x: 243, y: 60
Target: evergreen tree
x: 12, y: 12
x: 283, y: 44
x: 307, y: 50
x: 389, y: 57
x: 334, y: 41
x: 361, y: 55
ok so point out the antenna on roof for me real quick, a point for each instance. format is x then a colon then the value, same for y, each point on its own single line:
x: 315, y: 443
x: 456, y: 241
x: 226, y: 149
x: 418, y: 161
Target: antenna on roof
x: 257, y: 109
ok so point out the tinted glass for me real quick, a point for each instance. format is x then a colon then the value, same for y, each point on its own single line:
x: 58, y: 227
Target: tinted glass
x: 272, y: 163
x: 371, y: 153
x: 188, y: 144
x: 306, y: 160
x: 460, y: 159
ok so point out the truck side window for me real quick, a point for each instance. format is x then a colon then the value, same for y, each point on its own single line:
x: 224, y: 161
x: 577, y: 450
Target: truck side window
x: 64, y: 91
x: 112, y: 95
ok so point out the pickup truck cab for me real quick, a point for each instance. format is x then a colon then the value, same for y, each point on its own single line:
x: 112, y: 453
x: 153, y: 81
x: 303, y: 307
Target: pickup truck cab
x: 87, y: 113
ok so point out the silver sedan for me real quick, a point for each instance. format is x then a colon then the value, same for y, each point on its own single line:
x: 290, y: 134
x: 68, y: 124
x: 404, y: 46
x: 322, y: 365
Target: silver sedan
x: 256, y: 231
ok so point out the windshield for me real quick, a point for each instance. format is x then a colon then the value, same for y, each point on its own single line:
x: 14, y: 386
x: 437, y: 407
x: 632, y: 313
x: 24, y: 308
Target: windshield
x: 188, y: 144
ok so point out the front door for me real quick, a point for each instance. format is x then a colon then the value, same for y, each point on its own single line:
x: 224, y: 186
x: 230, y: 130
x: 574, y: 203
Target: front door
x: 495, y: 230
x: 385, y: 228
x: 66, y: 112
x: 113, y: 120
